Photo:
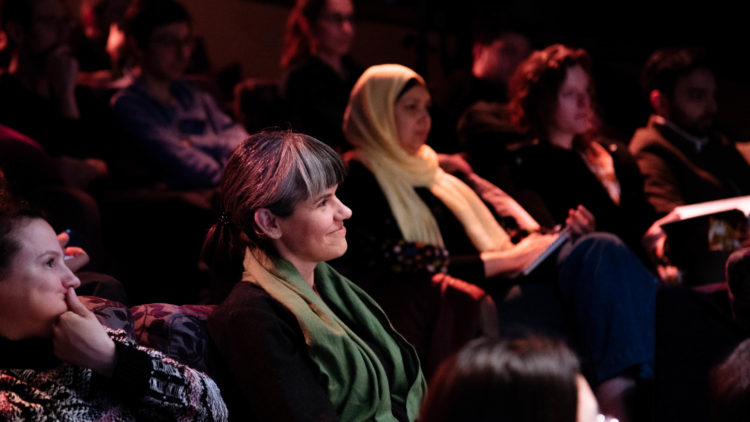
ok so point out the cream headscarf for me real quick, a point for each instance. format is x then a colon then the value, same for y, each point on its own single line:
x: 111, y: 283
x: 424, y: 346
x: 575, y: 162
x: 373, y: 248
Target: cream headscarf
x: 369, y: 125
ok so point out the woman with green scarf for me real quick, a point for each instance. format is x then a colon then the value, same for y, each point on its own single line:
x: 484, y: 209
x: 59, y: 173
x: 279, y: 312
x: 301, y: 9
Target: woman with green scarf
x: 299, y: 341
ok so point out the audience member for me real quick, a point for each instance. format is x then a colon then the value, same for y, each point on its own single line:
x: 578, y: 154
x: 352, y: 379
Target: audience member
x: 318, y: 72
x: 180, y: 131
x: 38, y: 93
x: 53, y: 184
x: 483, y: 126
x: 100, y: 43
x: 410, y: 215
x: 300, y: 341
x: 532, y: 379
x: 730, y: 387
x: 58, y: 362
x: 683, y: 159
x: 566, y: 162
x: 738, y: 279
x: 496, y: 54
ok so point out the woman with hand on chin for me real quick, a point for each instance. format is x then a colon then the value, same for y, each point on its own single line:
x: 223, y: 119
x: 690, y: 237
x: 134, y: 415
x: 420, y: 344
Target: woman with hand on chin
x: 299, y: 341
x: 57, y: 360
x: 411, y: 216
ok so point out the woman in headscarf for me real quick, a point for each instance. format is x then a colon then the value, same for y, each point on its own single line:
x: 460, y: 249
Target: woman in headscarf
x: 411, y: 216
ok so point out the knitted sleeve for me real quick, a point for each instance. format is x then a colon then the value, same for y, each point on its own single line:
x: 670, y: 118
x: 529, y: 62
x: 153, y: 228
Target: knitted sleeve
x: 163, y: 388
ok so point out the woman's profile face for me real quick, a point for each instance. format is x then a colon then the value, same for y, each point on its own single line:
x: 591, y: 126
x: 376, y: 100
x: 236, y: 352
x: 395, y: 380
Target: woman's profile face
x: 32, y: 295
x: 315, y: 231
x: 412, y: 115
x: 573, y: 103
x: 333, y: 31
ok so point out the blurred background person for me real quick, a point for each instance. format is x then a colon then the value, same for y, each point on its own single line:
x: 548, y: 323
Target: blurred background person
x: 565, y: 161
x: 318, y: 71
x: 531, y: 379
x: 168, y: 125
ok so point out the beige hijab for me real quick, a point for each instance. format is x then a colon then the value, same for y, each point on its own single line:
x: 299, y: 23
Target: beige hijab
x: 369, y: 125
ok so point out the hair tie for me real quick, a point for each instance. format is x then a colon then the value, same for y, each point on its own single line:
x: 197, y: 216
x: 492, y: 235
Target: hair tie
x: 224, y: 219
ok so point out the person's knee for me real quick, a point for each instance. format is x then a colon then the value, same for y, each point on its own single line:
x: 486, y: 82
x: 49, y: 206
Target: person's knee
x: 601, y: 239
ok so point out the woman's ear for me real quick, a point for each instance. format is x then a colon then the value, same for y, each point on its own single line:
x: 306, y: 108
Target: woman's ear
x: 268, y: 223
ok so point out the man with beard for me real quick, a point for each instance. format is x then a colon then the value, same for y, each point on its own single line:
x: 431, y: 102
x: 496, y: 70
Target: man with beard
x: 682, y: 157
x: 38, y: 92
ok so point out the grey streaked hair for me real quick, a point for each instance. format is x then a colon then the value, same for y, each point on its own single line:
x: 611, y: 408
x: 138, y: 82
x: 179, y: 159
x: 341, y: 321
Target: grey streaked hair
x: 274, y: 169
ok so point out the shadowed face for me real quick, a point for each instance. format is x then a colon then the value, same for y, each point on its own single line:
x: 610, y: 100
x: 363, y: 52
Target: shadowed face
x: 693, y: 104
x: 573, y: 103
x: 412, y: 116
x: 49, y: 29
x: 167, y: 53
x: 333, y: 31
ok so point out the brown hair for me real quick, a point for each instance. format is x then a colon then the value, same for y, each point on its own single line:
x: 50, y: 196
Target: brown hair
x: 524, y: 380
x: 534, y: 86
x: 271, y: 169
x: 13, y: 213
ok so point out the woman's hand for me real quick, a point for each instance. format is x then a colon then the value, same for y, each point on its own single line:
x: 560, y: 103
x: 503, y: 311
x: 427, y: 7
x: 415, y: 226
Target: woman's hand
x: 580, y: 221
x: 512, y: 262
x: 654, y: 241
x: 75, y: 257
x: 79, y: 338
x: 455, y: 163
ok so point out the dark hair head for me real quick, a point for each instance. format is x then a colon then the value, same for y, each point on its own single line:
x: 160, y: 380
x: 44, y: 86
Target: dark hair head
x: 299, y: 30
x: 12, y: 214
x: 17, y: 11
x: 534, y: 86
x: 530, y: 379
x: 487, y: 29
x: 144, y: 16
x: 738, y: 278
x: 664, y: 67
x: 272, y: 169
x: 730, y: 387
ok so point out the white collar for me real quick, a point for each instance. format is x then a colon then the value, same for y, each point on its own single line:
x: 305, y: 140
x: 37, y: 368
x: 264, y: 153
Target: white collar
x: 699, y: 142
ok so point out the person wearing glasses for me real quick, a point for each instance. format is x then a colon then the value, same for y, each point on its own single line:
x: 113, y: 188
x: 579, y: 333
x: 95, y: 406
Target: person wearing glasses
x: 318, y: 72
x: 183, y: 135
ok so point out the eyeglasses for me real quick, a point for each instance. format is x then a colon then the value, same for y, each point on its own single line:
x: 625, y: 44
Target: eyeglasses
x: 338, y: 18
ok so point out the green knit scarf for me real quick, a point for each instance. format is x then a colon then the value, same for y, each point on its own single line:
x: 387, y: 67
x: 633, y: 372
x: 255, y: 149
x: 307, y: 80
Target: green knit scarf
x: 333, y: 325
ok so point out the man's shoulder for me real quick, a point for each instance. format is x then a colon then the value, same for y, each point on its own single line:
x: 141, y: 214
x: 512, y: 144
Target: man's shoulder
x: 647, y: 137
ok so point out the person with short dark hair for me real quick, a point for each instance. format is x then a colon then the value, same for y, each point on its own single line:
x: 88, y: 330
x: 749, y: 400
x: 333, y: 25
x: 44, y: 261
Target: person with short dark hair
x: 531, y: 379
x: 58, y: 362
x: 683, y: 158
x: 38, y: 92
x: 180, y: 131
